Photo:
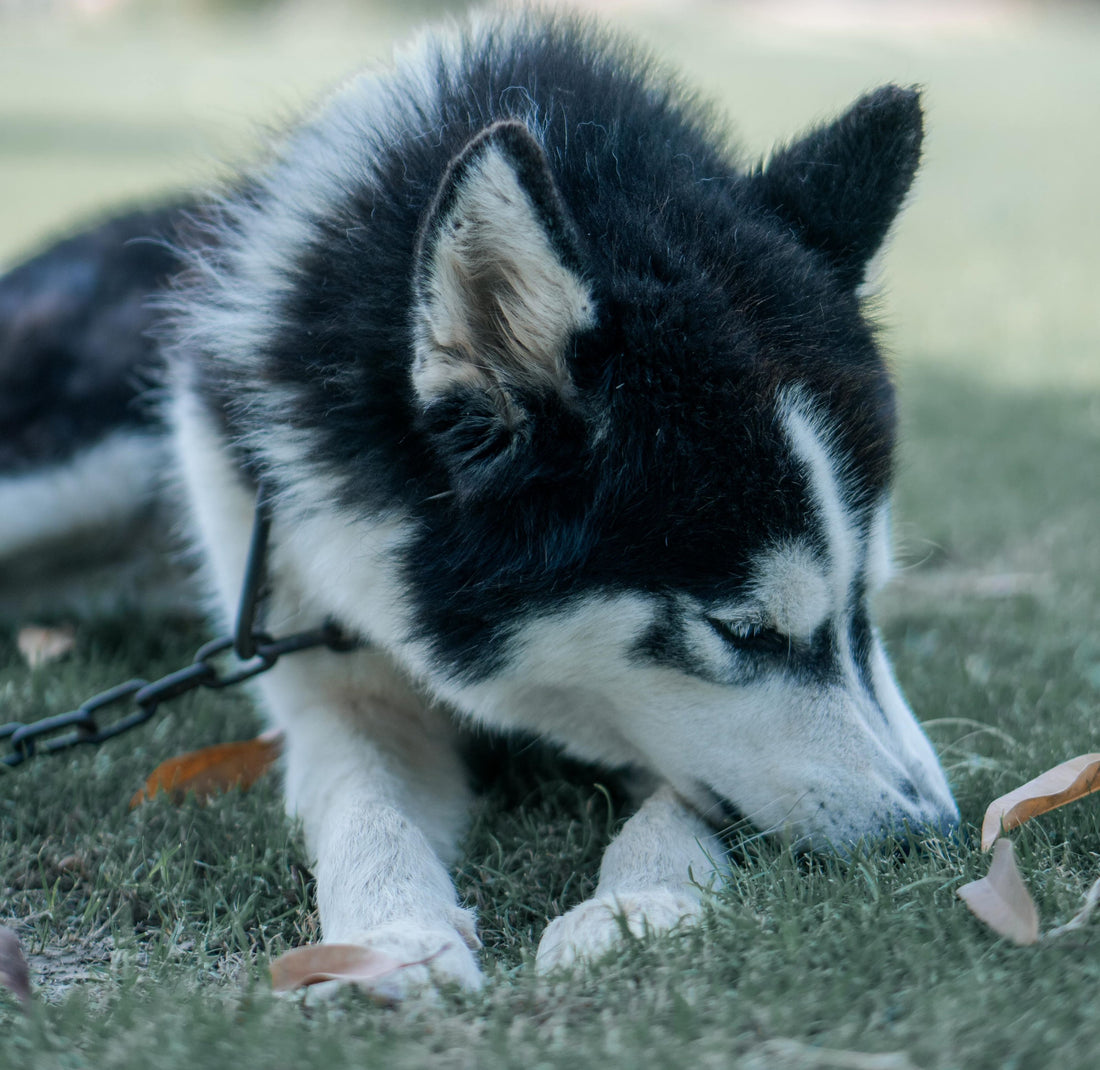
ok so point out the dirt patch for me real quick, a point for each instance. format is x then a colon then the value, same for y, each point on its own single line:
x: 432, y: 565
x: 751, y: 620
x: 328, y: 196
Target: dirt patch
x: 65, y: 961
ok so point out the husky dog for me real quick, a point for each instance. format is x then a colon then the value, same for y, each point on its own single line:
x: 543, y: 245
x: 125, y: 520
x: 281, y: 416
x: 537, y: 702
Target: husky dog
x: 579, y: 423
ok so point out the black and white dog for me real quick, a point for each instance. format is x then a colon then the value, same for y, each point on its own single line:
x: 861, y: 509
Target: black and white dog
x: 576, y: 419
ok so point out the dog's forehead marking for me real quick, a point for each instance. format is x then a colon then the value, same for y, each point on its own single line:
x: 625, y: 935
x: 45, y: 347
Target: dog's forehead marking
x: 793, y: 588
x: 809, y: 442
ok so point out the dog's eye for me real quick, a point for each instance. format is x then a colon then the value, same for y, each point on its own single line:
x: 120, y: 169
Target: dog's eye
x: 751, y: 637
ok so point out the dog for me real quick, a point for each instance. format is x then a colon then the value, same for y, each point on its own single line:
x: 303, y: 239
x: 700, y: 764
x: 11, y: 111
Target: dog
x: 574, y: 417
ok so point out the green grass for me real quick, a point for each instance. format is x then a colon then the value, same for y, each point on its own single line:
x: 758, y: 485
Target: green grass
x: 149, y: 930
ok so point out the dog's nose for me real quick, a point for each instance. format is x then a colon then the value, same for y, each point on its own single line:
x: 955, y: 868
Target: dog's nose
x: 931, y: 812
x: 947, y: 825
x: 911, y: 828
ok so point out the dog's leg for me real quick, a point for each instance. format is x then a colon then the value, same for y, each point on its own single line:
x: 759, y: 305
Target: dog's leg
x: 372, y: 769
x: 372, y: 772
x: 650, y: 879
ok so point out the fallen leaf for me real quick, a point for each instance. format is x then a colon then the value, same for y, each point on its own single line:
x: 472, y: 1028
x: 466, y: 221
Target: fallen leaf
x: 40, y: 646
x: 1063, y: 784
x: 1001, y: 898
x: 1081, y: 918
x: 334, y: 962
x: 73, y: 864
x: 213, y: 769
x: 14, y: 972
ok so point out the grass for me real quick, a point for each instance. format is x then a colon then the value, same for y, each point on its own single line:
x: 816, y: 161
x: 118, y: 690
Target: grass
x: 149, y: 930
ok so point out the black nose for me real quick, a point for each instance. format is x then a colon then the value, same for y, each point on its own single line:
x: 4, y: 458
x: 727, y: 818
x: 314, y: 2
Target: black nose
x: 948, y: 826
x: 925, y: 817
x: 902, y: 832
x: 911, y: 833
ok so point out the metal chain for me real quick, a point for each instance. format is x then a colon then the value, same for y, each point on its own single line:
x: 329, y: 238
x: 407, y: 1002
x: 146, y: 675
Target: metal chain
x: 254, y: 650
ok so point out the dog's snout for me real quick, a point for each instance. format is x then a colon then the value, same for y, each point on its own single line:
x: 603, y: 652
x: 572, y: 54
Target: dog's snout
x: 945, y: 824
x: 903, y: 816
x: 923, y: 817
x: 904, y: 831
x: 947, y: 827
x: 941, y: 826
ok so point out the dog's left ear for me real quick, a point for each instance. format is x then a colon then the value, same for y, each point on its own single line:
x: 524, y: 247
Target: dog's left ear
x: 497, y: 286
x: 841, y: 186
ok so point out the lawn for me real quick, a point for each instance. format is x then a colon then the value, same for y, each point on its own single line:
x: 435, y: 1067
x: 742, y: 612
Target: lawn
x: 149, y: 930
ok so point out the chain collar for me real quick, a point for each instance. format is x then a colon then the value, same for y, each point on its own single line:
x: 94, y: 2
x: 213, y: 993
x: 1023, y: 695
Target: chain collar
x: 253, y: 650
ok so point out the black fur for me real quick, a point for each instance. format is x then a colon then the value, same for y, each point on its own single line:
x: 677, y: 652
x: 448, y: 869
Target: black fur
x: 531, y: 166
x: 75, y: 350
x: 840, y: 187
x: 715, y: 286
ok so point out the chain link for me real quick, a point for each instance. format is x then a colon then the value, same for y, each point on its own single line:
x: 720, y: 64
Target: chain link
x: 253, y: 651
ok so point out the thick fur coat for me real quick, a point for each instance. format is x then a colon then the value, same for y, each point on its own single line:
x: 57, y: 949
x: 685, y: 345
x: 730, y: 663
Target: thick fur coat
x: 578, y: 421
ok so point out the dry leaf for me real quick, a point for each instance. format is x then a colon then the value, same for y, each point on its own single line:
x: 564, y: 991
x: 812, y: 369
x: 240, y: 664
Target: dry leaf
x: 335, y: 962
x: 40, y: 646
x: 1001, y: 898
x: 1063, y: 784
x: 213, y: 769
x: 1081, y: 918
x: 14, y: 972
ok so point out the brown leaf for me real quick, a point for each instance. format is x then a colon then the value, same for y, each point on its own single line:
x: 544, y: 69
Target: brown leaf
x: 14, y: 972
x: 40, y: 646
x: 214, y: 769
x: 334, y: 962
x: 1001, y: 898
x: 1063, y: 784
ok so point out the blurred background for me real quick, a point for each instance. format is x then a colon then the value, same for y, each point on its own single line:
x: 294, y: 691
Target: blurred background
x: 991, y: 284
x: 104, y: 102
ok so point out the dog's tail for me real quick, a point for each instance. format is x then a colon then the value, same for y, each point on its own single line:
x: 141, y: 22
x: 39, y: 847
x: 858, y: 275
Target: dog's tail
x: 82, y: 455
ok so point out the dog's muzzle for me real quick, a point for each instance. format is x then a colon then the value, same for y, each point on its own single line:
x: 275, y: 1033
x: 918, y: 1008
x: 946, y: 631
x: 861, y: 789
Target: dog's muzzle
x: 901, y: 830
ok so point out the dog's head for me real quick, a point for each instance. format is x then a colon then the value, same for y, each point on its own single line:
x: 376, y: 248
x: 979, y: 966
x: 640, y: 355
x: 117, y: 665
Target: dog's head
x: 667, y: 436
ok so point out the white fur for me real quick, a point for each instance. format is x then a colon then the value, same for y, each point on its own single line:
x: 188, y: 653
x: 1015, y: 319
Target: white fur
x: 809, y: 441
x: 778, y: 749
x: 880, y: 550
x: 88, y: 536
x: 792, y: 588
x: 101, y: 489
x: 371, y: 766
x: 651, y: 879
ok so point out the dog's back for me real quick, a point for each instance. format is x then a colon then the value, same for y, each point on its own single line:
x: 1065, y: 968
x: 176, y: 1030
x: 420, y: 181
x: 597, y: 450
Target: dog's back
x: 82, y: 450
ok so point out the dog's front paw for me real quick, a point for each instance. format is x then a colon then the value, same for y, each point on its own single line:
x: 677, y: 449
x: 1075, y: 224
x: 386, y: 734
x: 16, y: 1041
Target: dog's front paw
x: 403, y: 958
x: 592, y: 928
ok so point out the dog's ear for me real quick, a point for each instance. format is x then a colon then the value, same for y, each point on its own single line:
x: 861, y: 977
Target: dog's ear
x: 840, y: 186
x: 497, y: 286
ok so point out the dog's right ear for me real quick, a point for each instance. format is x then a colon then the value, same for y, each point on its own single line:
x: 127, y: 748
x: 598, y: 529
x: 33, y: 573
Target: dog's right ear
x: 497, y: 288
